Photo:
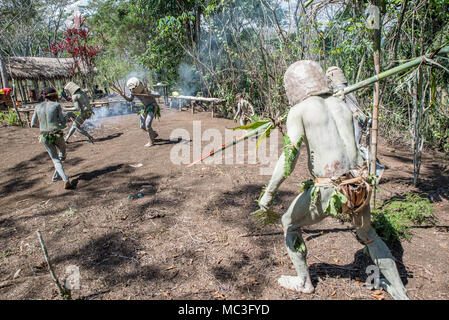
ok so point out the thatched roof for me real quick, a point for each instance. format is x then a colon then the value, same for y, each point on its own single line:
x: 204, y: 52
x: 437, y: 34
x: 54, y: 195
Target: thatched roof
x: 39, y: 68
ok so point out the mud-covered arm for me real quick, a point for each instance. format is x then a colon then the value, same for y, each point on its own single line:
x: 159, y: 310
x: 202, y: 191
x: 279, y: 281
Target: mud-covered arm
x: 34, y: 119
x: 276, y: 180
x: 129, y: 99
x: 287, y: 161
x: 251, y: 108
x: 76, y: 104
x: 239, y: 109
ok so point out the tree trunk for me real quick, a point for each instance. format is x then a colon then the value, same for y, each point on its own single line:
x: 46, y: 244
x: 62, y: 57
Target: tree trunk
x: 374, y: 129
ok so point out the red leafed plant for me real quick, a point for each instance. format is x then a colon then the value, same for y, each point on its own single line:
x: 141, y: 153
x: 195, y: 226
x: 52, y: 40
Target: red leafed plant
x: 75, y: 42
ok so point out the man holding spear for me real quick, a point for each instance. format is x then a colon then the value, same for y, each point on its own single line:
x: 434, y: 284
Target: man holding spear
x: 341, y: 183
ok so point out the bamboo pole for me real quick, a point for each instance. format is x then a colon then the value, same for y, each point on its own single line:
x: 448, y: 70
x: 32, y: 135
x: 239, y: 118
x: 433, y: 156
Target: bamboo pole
x: 413, y: 63
x: 65, y: 294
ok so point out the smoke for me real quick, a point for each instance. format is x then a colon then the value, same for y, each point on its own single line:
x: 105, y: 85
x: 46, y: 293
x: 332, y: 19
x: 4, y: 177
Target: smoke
x: 115, y: 108
x: 188, y: 80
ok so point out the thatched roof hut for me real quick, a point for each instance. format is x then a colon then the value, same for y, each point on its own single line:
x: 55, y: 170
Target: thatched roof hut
x: 39, y: 68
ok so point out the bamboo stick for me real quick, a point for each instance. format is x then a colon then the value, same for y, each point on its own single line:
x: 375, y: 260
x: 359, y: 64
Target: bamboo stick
x: 349, y: 89
x: 65, y: 294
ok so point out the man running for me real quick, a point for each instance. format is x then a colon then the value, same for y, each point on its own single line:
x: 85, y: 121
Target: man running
x: 51, y: 122
x: 82, y: 105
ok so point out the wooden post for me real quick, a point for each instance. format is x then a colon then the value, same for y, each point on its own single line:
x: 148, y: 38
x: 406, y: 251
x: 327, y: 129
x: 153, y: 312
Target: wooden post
x: 36, y: 88
x: 374, y: 128
x: 13, y: 98
x: 22, y: 93
x: 4, y: 75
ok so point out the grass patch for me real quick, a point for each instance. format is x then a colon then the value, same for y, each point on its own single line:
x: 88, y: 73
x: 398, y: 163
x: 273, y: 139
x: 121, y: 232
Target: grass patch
x: 10, y: 118
x: 394, y: 218
x: 69, y: 212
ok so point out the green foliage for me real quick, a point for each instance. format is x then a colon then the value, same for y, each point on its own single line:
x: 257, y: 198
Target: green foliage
x: 253, y: 125
x: 27, y: 25
x: 50, y: 137
x: 335, y: 203
x: 291, y: 153
x: 299, y: 245
x: 10, y: 118
x: 306, y: 185
x: 266, y: 217
x: 392, y: 220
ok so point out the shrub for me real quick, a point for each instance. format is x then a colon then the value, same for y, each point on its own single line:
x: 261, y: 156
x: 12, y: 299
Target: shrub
x: 393, y: 219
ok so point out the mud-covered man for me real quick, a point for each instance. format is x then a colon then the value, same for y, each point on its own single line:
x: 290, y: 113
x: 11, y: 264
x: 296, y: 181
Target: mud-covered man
x: 51, y: 122
x: 340, y: 184
x: 245, y: 110
x: 150, y: 108
x: 82, y: 107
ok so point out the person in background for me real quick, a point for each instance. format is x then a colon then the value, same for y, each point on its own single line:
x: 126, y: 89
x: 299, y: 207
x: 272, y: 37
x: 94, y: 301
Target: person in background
x: 5, y: 98
x: 51, y: 122
x: 81, y: 104
x: 150, y: 108
x: 64, y: 96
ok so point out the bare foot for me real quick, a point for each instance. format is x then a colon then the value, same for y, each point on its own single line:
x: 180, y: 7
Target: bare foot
x: 296, y: 283
x: 395, y: 293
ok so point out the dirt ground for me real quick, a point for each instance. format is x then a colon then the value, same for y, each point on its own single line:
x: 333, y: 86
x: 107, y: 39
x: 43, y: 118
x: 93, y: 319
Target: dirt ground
x: 190, y: 235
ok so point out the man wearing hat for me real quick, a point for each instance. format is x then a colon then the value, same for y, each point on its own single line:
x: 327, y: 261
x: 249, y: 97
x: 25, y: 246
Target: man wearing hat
x: 51, y: 122
x: 81, y: 104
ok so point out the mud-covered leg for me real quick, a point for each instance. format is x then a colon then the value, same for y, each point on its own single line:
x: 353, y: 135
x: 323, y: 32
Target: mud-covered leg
x: 151, y: 133
x: 142, y: 122
x: 52, y: 151
x: 79, y: 127
x: 85, y: 133
x: 69, y: 134
x: 299, y: 214
x: 381, y: 256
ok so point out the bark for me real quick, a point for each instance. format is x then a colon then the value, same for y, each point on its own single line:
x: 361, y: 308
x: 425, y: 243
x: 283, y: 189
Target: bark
x: 376, y: 97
